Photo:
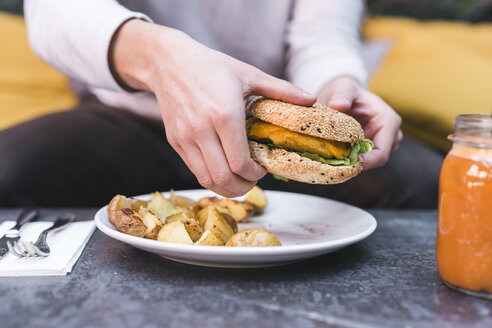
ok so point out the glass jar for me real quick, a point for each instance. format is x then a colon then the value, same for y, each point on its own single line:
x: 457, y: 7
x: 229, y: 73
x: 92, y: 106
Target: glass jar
x: 464, y: 231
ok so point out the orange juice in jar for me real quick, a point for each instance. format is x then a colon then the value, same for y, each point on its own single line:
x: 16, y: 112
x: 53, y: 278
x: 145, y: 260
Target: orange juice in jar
x: 464, y: 231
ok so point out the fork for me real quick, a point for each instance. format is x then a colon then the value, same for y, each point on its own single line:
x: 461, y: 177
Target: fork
x: 40, y: 248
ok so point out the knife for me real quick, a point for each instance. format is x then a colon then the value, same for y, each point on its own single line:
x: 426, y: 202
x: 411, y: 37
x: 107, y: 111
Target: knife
x: 13, y: 234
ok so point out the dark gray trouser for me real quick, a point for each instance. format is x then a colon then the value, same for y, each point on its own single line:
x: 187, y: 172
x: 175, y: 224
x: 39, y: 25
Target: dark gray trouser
x: 85, y: 156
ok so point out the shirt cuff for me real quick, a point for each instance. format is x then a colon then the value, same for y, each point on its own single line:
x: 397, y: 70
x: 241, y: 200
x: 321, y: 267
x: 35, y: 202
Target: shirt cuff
x: 104, y: 38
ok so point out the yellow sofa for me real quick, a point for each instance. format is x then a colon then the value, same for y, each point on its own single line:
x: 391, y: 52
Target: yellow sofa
x: 28, y: 87
x: 434, y: 71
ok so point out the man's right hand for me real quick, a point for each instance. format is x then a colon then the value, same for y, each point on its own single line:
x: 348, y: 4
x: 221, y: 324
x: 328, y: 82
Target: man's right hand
x: 201, y: 95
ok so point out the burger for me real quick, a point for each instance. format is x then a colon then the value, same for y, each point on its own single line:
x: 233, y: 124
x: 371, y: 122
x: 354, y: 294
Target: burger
x: 315, y: 144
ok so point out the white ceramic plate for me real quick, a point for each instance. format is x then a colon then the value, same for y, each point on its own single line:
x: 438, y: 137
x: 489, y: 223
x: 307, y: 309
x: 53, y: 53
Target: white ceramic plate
x: 307, y: 226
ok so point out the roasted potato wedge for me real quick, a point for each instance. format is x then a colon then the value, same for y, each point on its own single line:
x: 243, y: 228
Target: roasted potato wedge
x: 208, y: 201
x: 160, y: 206
x: 191, y: 225
x: 174, y: 232
x: 253, y: 238
x: 185, y: 211
x: 257, y: 198
x: 152, y: 223
x: 209, y: 239
x: 238, y: 210
x: 203, y: 215
x: 181, y: 201
x: 218, y: 225
x: 119, y: 201
x: 231, y: 221
x: 128, y: 221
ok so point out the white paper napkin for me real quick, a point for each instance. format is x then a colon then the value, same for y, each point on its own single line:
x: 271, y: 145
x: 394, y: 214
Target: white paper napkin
x: 66, y: 246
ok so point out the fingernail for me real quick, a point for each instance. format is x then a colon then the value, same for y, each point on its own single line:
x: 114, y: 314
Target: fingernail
x: 307, y: 94
x: 339, y: 102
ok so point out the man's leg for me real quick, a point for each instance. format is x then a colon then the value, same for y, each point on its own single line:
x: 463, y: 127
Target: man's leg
x: 409, y: 180
x: 85, y: 156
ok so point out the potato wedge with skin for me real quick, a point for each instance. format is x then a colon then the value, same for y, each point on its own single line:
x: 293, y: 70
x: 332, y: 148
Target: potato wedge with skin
x: 209, y: 239
x: 182, y: 201
x: 253, y: 238
x: 239, y: 210
x: 128, y: 221
x: 174, y: 232
x: 119, y: 202
x: 208, y: 201
x: 218, y: 225
x: 231, y: 221
x: 257, y: 198
x: 194, y: 230
x: 203, y: 215
x: 185, y: 211
x: 152, y: 223
x: 160, y: 206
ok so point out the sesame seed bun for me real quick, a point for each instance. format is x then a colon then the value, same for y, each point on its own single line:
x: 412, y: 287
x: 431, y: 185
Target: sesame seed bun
x: 295, y: 167
x: 317, y: 120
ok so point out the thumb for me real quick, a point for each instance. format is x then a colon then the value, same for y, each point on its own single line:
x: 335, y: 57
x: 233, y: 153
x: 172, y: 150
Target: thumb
x: 271, y: 87
x: 342, y: 96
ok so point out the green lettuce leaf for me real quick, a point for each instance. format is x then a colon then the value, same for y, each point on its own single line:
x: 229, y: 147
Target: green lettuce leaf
x: 279, y: 177
x: 364, y: 146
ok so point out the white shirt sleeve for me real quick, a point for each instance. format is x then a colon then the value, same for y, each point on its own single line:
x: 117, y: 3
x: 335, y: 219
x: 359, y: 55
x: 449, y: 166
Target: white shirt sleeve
x: 74, y: 36
x: 323, y: 42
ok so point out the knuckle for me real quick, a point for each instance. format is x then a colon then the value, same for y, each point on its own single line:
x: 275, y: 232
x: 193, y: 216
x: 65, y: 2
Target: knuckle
x: 222, y: 118
x: 205, y: 180
x: 172, y: 140
x: 239, y: 165
x: 195, y: 128
x: 221, y: 178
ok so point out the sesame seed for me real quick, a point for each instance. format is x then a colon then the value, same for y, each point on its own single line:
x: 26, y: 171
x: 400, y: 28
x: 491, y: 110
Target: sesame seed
x: 319, y: 130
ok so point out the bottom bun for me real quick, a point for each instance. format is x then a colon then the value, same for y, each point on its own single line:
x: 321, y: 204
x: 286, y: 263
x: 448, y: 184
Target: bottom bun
x: 295, y: 167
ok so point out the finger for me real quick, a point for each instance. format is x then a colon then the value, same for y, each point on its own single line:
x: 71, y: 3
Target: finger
x: 383, y: 144
x: 262, y: 84
x: 398, y: 140
x: 219, y: 169
x: 197, y: 165
x: 232, y: 134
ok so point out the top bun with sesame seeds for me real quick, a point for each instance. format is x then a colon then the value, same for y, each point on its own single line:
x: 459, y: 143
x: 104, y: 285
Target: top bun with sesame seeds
x: 311, y: 144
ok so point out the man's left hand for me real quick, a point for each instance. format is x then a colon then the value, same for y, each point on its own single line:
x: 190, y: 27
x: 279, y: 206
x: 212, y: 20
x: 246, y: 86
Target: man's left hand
x: 380, y: 122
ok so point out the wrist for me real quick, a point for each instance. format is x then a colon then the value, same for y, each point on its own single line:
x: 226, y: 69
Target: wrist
x: 135, y: 52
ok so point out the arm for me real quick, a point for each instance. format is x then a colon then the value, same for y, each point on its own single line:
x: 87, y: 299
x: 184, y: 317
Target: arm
x: 325, y: 58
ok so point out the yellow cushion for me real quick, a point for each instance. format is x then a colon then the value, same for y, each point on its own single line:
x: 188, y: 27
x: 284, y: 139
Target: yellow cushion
x: 435, y: 71
x: 28, y: 87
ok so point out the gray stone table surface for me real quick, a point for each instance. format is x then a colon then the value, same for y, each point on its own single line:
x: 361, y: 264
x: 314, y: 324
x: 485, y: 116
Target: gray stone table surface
x: 388, y: 280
